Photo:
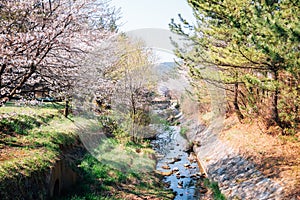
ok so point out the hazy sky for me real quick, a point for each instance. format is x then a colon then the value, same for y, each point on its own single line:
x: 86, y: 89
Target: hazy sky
x: 138, y: 14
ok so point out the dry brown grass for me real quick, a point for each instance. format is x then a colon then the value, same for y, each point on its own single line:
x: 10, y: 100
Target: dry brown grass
x: 277, y: 156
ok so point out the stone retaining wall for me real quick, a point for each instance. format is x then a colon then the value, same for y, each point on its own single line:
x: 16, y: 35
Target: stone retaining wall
x: 237, y: 177
x: 60, y: 178
x: 46, y: 183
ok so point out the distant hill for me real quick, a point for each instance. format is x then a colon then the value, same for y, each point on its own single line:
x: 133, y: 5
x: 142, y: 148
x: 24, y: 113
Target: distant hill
x: 170, y: 78
x: 166, y: 70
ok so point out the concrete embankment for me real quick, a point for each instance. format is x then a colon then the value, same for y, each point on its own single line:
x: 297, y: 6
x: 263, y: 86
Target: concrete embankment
x: 59, y: 177
x: 237, y: 177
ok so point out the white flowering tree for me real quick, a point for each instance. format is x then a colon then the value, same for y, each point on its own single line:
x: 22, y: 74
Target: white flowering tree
x: 43, y: 43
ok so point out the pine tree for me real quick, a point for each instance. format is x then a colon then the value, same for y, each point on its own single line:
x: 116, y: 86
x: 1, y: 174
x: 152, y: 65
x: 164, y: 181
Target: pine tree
x: 254, y: 45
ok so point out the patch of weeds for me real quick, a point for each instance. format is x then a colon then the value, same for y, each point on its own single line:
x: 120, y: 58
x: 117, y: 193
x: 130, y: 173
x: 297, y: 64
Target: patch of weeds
x: 215, y: 189
x: 57, y: 133
x: 50, y: 140
x: 32, y: 142
x: 138, y: 145
x: 45, y: 118
x: 98, y: 180
x: 97, y: 171
x: 166, y: 125
x: 183, y: 131
x: 134, y: 145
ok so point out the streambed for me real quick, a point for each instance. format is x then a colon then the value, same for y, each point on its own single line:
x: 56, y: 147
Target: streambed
x: 179, y: 166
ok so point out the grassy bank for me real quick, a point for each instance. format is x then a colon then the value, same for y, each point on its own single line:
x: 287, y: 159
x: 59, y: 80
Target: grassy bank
x: 32, y: 139
x: 101, y: 181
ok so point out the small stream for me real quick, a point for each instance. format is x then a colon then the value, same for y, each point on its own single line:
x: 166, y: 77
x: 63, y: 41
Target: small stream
x: 173, y: 159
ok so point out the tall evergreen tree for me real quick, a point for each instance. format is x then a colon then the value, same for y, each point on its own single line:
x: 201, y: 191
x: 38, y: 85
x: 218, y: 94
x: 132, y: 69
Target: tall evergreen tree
x: 254, y: 45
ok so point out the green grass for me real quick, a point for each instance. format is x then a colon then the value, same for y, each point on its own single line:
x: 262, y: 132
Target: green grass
x: 22, y: 124
x: 215, y: 189
x: 34, y: 138
x: 31, y: 139
x: 36, y: 110
x: 101, y: 181
x: 143, y: 144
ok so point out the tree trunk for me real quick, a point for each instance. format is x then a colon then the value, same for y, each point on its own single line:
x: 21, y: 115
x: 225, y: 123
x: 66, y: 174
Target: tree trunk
x: 235, y: 102
x: 67, y: 109
x: 275, y: 114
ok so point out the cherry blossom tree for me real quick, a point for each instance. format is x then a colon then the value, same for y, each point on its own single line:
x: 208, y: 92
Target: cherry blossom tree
x: 43, y: 43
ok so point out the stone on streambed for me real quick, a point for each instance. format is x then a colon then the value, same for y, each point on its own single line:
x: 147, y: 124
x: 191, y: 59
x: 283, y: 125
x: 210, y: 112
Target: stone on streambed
x: 177, y: 159
x: 197, y: 143
x: 175, y: 169
x: 174, y: 160
x: 192, y: 158
x: 195, y: 176
x: 186, y: 165
x: 201, y: 175
x: 158, y: 155
x: 165, y: 167
x: 180, y: 184
x: 168, y: 173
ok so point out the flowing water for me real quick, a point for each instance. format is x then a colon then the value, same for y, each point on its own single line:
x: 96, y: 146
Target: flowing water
x: 185, y: 178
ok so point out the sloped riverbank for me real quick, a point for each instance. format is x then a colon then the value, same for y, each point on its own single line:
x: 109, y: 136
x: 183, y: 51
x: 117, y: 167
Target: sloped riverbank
x: 41, y: 158
x: 35, y: 144
x: 237, y: 177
